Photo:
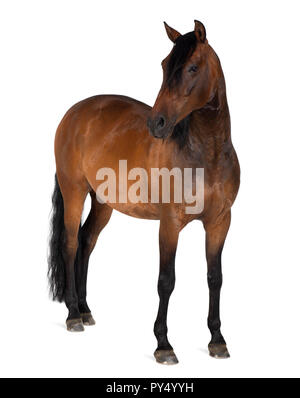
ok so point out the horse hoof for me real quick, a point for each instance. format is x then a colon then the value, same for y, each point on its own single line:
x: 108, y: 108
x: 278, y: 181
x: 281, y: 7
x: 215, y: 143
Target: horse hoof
x: 88, y: 319
x: 165, y: 357
x: 75, y: 325
x: 218, y: 350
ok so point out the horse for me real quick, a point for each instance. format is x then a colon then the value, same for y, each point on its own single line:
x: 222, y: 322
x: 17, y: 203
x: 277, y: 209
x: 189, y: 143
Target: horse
x: 188, y: 127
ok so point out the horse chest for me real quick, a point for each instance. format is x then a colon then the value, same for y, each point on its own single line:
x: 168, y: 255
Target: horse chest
x: 221, y: 185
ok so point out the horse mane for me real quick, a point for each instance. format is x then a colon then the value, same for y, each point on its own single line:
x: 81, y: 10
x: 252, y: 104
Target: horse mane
x: 181, y: 131
x: 183, y: 48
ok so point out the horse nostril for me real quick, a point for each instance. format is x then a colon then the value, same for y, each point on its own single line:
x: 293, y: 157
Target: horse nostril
x: 160, y: 122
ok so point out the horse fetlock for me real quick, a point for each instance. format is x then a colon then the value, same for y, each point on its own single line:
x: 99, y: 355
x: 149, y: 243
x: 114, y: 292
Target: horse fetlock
x: 216, y: 335
x: 83, y: 307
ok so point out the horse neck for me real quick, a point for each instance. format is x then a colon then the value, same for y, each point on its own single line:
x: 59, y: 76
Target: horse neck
x: 210, y: 126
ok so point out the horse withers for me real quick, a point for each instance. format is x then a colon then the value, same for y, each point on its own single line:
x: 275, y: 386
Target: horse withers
x: 187, y: 128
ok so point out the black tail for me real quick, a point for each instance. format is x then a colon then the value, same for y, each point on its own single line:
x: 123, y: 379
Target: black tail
x: 56, y: 264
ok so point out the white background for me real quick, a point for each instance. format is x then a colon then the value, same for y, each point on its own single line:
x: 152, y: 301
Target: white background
x: 55, y: 53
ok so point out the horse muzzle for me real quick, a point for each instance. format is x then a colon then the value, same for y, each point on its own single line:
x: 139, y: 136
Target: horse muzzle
x: 159, y: 127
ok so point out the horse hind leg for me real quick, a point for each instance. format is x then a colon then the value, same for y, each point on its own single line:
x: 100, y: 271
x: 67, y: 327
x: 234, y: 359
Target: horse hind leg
x: 74, y: 196
x: 97, y: 219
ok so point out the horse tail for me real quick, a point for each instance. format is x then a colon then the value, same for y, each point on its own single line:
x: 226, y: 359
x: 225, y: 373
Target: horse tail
x: 56, y: 263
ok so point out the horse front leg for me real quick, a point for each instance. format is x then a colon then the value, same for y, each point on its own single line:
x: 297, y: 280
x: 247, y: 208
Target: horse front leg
x: 215, y: 237
x: 168, y: 238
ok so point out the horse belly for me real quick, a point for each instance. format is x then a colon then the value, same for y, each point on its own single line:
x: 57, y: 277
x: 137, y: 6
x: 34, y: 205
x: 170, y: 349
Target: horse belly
x: 146, y: 211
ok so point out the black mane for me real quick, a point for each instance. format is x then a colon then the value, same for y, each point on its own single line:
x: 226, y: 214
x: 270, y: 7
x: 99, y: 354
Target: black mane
x: 181, y: 131
x: 184, y: 47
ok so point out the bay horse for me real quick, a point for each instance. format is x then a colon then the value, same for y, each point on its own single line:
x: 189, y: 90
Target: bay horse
x: 188, y: 127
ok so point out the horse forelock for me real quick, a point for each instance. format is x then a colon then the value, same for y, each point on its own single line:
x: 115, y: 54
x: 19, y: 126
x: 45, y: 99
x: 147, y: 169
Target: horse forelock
x: 183, y: 48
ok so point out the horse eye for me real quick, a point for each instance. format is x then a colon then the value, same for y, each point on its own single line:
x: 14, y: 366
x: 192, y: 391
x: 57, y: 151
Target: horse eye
x: 193, y: 68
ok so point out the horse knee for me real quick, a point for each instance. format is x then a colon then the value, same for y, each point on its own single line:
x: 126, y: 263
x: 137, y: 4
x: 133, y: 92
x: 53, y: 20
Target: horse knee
x: 166, y: 284
x: 214, y: 279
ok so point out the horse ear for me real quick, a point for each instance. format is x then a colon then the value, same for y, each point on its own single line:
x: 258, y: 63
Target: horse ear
x: 172, y: 33
x: 200, y: 31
